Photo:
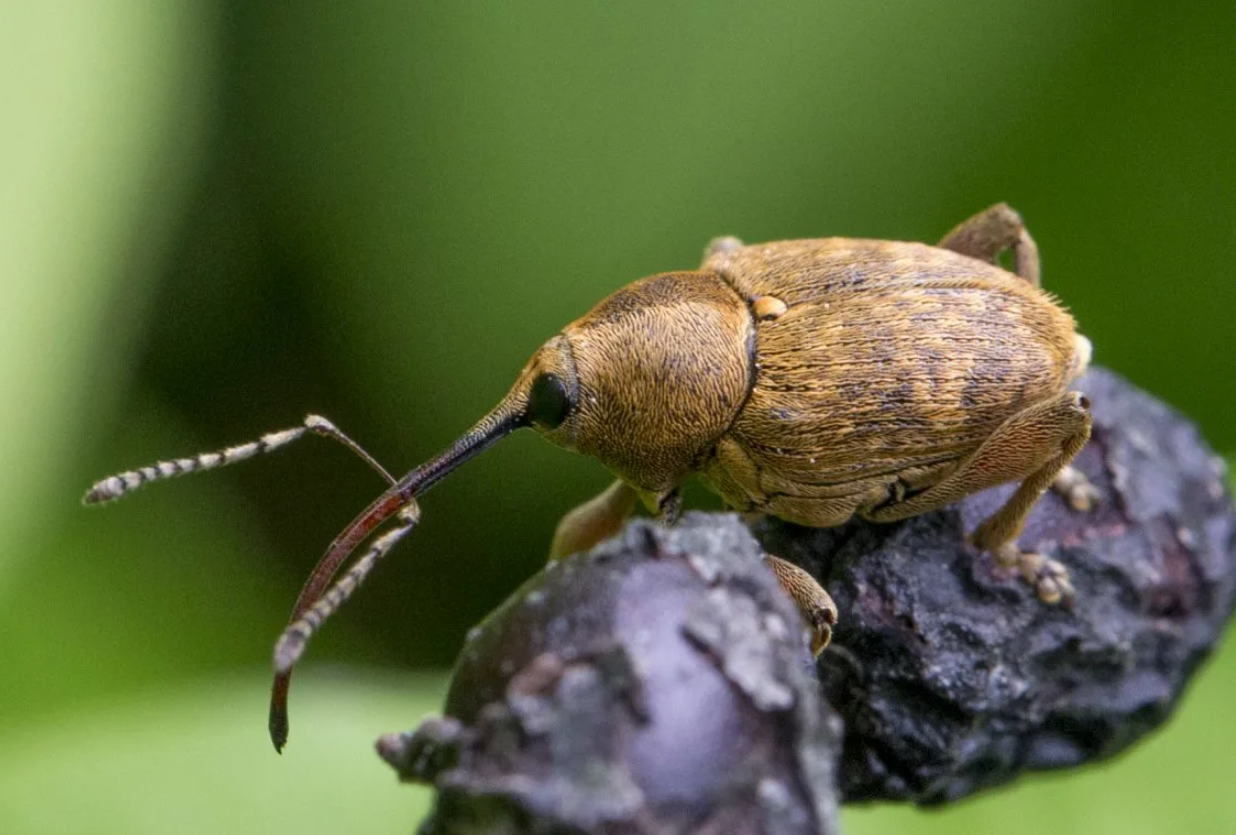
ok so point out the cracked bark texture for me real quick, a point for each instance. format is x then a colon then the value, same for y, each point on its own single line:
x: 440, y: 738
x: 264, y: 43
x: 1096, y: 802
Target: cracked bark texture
x: 661, y: 684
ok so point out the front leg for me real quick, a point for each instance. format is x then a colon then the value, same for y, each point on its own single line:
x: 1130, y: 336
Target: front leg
x: 602, y: 516
x: 668, y: 507
x: 594, y: 521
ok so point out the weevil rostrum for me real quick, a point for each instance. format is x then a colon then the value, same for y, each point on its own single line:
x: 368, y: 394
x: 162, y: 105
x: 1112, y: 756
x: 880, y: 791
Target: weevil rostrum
x: 813, y: 380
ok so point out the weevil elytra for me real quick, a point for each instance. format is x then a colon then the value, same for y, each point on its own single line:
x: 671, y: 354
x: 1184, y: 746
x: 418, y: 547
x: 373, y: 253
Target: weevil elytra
x: 813, y: 380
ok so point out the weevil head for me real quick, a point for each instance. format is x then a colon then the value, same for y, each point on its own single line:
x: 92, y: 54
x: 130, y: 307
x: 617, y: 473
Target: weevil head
x: 647, y: 381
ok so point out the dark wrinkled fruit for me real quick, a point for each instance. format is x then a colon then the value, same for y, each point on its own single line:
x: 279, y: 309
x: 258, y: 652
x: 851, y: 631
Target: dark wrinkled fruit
x: 952, y: 677
x: 661, y: 681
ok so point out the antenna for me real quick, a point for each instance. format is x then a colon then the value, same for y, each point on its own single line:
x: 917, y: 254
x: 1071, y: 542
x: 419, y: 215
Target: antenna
x: 322, y: 594
x: 114, y: 487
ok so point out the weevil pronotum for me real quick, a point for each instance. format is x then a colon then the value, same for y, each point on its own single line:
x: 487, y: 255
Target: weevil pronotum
x: 813, y: 380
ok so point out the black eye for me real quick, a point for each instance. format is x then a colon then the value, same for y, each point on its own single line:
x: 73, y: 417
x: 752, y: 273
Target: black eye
x: 548, y: 402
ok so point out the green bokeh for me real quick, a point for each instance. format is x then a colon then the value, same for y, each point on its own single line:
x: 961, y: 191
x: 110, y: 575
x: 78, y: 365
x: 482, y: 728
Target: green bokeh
x: 218, y: 216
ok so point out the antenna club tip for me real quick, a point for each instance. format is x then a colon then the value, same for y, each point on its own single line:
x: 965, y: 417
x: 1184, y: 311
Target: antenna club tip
x: 106, y: 490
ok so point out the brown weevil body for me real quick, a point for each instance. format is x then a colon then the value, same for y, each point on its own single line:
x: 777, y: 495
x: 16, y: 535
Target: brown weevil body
x: 813, y: 380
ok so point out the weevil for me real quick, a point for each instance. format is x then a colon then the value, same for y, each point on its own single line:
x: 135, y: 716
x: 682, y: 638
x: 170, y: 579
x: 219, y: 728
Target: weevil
x: 814, y: 380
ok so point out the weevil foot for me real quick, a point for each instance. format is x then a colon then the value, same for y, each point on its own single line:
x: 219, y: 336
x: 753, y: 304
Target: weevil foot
x: 1072, y: 484
x: 822, y: 621
x: 1049, y: 577
x: 814, y: 604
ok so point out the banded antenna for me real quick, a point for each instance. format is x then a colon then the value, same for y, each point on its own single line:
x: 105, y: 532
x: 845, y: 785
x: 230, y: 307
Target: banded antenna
x: 121, y: 484
x: 322, y: 594
x: 303, y: 624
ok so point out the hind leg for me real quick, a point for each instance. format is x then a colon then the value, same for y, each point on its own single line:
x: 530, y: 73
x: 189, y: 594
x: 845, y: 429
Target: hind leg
x: 999, y: 532
x: 1032, y: 446
x: 992, y: 231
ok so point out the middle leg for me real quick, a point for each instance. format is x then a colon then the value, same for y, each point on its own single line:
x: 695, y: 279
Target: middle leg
x: 814, y: 604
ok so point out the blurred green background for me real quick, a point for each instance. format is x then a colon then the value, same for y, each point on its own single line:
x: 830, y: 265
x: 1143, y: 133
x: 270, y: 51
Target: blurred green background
x: 217, y: 217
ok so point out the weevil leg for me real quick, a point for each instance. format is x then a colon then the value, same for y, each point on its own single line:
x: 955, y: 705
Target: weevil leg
x: 1006, y: 523
x: 1049, y: 577
x: 992, y: 231
x: 1032, y: 446
x: 815, y: 604
x: 1017, y: 450
x: 595, y: 520
x: 669, y: 507
x: 999, y: 532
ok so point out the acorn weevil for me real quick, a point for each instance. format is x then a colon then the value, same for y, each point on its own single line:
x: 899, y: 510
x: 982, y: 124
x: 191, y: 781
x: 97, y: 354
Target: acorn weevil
x: 813, y: 380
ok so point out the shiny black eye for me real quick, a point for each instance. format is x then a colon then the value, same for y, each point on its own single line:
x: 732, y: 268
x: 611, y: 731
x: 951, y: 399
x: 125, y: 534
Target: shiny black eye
x: 548, y: 402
